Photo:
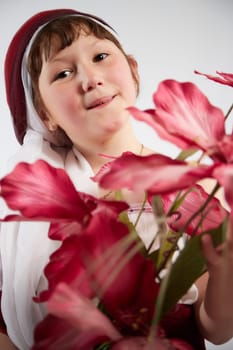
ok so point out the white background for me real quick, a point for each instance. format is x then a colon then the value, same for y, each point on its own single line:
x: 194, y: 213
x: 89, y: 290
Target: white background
x: 169, y: 39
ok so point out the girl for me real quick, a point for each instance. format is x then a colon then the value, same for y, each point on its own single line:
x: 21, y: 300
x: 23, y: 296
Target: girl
x: 68, y: 83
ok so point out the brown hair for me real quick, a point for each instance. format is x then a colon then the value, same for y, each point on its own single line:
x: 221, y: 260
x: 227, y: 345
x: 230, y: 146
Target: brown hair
x: 55, y: 36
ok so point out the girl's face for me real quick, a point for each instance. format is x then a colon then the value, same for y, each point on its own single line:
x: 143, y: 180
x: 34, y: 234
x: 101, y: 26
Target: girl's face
x: 86, y: 88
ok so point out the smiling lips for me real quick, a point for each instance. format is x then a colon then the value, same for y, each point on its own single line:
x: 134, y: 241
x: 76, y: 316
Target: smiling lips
x: 100, y: 102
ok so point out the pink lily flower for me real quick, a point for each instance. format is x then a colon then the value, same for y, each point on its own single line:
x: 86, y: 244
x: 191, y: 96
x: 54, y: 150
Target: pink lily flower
x: 55, y: 333
x: 184, y: 116
x: 69, y: 263
x: 30, y: 188
x: 41, y: 192
x: 91, y: 266
x: 80, y: 311
x: 214, y: 213
x: 154, y: 173
x: 108, y: 268
x: 82, y: 326
x: 223, y: 78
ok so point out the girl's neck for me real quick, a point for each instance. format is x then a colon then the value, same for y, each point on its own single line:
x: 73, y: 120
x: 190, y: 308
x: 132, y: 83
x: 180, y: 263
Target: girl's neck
x: 113, y: 147
x: 105, y: 153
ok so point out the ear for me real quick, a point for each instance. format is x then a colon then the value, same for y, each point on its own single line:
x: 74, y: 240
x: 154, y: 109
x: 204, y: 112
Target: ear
x: 48, y: 121
x: 134, y: 69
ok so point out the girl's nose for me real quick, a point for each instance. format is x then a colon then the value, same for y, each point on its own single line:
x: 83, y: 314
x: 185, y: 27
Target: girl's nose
x: 89, y: 79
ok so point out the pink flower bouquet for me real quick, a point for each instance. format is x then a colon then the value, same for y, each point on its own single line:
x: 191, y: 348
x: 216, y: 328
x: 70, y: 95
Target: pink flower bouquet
x: 101, y: 256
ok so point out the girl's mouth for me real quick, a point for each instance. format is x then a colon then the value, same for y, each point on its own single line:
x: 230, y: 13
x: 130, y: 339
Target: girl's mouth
x: 101, y: 102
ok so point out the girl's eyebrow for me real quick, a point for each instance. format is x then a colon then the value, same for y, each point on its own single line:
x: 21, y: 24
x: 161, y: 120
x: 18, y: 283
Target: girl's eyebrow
x: 56, y: 59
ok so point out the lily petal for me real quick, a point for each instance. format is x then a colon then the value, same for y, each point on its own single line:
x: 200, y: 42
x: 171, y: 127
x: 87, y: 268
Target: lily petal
x: 42, y: 191
x: 223, y: 78
x: 61, y: 230
x: 226, y: 149
x: 186, y: 116
x: 224, y: 174
x: 149, y: 117
x: 154, y: 173
x: 80, y: 312
x: 214, y: 213
x: 179, y: 344
x: 55, y: 333
x: 82, y: 257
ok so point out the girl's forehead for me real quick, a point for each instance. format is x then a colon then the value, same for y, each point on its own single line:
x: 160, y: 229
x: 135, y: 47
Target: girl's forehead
x: 90, y: 40
x: 56, y: 41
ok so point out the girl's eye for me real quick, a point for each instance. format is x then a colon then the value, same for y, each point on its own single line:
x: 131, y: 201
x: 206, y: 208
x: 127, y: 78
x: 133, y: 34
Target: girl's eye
x: 63, y: 74
x: 100, y: 57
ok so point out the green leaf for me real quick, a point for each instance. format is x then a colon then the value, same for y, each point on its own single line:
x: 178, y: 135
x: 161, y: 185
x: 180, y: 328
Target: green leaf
x: 187, y: 153
x: 167, y: 248
x: 189, y: 265
x: 179, y: 200
x: 133, y: 234
x: 157, y: 206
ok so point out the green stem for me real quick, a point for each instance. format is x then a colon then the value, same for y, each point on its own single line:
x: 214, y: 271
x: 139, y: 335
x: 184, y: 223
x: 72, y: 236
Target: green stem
x: 161, y: 296
x: 140, y: 212
x: 229, y: 112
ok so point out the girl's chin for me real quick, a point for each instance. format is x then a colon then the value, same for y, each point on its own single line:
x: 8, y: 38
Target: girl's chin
x: 116, y: 128
x: 115, y: 124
